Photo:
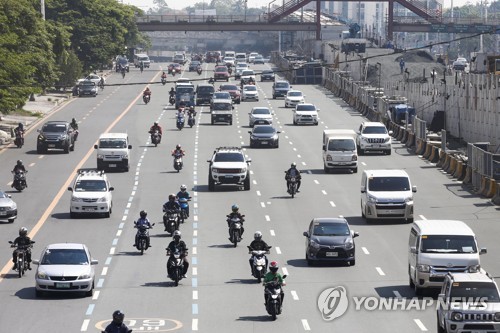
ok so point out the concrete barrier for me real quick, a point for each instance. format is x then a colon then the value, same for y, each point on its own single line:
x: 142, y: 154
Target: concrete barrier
x: 496, y: 197
x: 442, y: 159
x: 435, y: 158
x: 428, y: 151
x: 459, y: 169
x: 446, y: 163
x: 468, y: 175
x: 421, y: 145
x: 483, y: 187
x: 411, y: 140
x: 405, y: 136
x: 401, y: 133
x: 453, y: 166
x: 491, y: 188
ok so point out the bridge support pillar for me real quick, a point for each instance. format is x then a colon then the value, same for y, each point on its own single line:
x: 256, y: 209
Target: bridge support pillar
x: 318, y: 20
x: 390, y: 27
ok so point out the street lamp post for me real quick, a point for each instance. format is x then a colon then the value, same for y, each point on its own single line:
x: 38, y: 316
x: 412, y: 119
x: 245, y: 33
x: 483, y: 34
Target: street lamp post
x: 379, y: 73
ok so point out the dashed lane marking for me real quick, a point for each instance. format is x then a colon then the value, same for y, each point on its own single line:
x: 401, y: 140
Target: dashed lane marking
x: 285, y: 271
x: 96, y: 295
x: 380, y: 271
x: 195, y: 294
x: 294, y: 295
x: 420, y: 325
x: 323, y: 191
x: 365, y: 250
x: 90, y: 309
x: 332, y: 204
x: 85, y: 325
x: 263, y: 205
x: 305, y: 324
x: 422, y: 217
x: 104, y: 271
x: 278, y: 250
x: 272, y: 232
x: 194, y: 324
x: 267, y: 218
x: 316, y: 182
x: 31, y: 164
x: 258, y: 193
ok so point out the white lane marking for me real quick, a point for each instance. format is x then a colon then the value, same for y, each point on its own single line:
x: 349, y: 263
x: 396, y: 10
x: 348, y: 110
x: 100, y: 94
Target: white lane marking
x: 31, y: 164
x: 294, y: 295
x: 294, y: 149
x: 398, y: 295
x: 258, y: 193
x: 195, y: 294
x: 124, y: 218
x: 85, y: 325
x: 298, y: 155
x: 9, y: 183
x: 365, y: 250
x: 194, y: 271
x: 278, y: 251
x: 104, y: 271
x: 254, y: 182
x: 323, y: 191
x: 380, y: 271
x: 263, y: 205
x: 316, y: 181
x: 133, y: 193
x: 272, y: 232
x: 129, y: 204
x: 118, y: 233
x: 305, y: 324
x: 195, y: 205
x: 422, y: 217
x: 290, y: 142
x: 195, y: 250
x: 286, y: 136
x: 41, y: 156
x: 285, y: 271
x: 420, y: 325
x: 96, y: 295
x: 304, y: 163
x: 332, y: 204
x: 268, y: 218
x: 112, y: 250
x: 194, y: 324
x: 363, y: 163
x: 195, y: 217
x: 195, y: 233
x: 309, y: 172
x: 251, y: 172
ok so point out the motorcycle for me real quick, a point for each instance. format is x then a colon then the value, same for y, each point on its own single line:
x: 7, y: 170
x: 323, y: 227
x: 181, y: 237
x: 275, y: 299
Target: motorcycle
x: 199, y: 71
x: 173, y: 72
x: 163, y: 80
x: 171, y: 221
x: 272, y: 293
x: 171, y: 100
x: 184, y: 203
x: 230, y: 70
x: 259, y: 268
x: 178, y: 162
x: 19, y: 140
x: 191, y: 120
x: 292, y: 186
x: 155, y: 137
x: 19, y: 182
x: 146, y: 98
x: 22, y: 263
x: 180, y: 121
x: 177, y: 264
x: 235, y: 226
x: 143, y: 236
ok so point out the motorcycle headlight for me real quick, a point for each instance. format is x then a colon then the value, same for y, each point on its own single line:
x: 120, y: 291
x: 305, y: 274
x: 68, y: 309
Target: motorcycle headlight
x: 314, y: 244
x: 103, y: 199
x: 42, y: 275
x: 457, y: 316
x: 349, y: 244
x: 76, y: 199
x: 423, y: 268
x: 474, y: 268
x: 372, y: 199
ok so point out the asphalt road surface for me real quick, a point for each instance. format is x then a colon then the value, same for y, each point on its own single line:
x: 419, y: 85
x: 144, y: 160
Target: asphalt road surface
x: 219, y: 294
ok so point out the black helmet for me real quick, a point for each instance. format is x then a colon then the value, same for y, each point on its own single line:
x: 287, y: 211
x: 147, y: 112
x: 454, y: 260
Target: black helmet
x: 172, y: 89
x: 293, y: 165
x: 178, y: 146
x: 143, y: 214
x: 23, y: 231
x: 156, y: 123
x: 20, y: 125
x: 235, y: 208
x: 19, y: 162
x: 171, y: 197
x: 118, y: 317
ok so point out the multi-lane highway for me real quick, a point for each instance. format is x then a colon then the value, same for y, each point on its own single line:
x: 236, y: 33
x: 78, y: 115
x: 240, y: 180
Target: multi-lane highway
x: 219, y: 293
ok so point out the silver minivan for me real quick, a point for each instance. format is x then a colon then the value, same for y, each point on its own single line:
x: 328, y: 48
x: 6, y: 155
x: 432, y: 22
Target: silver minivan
x: 436, y: 247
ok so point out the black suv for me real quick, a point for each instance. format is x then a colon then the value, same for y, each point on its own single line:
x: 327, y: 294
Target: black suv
x: 122, y: 61
x: 280, y: 88
x: 204, y: 93
x: 267, y: 75
x: 55, y: 135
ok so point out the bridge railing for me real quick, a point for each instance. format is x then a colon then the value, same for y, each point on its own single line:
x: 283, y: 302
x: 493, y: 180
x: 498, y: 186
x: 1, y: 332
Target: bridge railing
x: 200, y: 18
x: 446, y: 20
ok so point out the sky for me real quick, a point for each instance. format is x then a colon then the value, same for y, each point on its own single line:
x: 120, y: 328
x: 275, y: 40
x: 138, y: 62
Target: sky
x: 176, y: 4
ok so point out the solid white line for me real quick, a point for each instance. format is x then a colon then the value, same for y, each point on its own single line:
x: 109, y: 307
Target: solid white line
x: 398, y: 295
x: 85, y: 325
x: 268, y: 218
x: 420, y: 325
x: 365, y: 250
x: 294, y: 295
x: 323, y: 191
x: 278, y: 251
x: 195, y: 294
x: 380, y: 271
x: 194, y: 324
x: 272, y: 232
x: 316, y: 181
x: 96, y: 295
x: 422, y: 217
x: 285, y: 271
x: 332, y: 204
x: 104, y: 271
x: 305, y: 324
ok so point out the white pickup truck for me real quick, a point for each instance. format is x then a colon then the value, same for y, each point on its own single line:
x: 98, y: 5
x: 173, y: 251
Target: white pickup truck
x: 339, y: 150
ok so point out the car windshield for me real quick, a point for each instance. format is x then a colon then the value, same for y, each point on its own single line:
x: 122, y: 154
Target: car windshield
x: 374, y: 130
x: 448, y: 244
x: 221, y: 69
x: 87, y: 83
x: 341, y: 145
x: 51, y: 128
x: 282, y: 85
x: 112, y: 143
x: 228, y: 87
x: 185, y: 90
x: 388, y: 184
x: 331, y: 229
x: 222, y: 95
x: 195, y: 63
x: 242, y: 65
x: 244, y: 73
x: 64, y: 257
x: 143, y: 58
x: 229, y: 157
x: 264, y: 129
x: 267, y: 72
x: 306, y: 107
x: 295, y: 93
x: 208, y: 89
x: 90, y: 186
x: 122, y: 60
x: 250, y: 88
x: 261, y: 111
x: 474, y: 291
x: 222, y: 106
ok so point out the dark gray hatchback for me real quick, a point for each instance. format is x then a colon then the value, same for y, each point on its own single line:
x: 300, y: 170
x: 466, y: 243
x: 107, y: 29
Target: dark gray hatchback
x: 280, y: 88
x: 330, y: 239
x: 204, y: 93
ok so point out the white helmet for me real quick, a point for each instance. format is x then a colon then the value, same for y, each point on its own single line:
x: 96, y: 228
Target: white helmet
x: 257, y: 235
x: 183, y: 187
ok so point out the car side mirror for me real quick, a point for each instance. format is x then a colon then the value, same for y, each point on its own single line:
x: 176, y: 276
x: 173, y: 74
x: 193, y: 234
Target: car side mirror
x: 94, y: 262
x: 9, y: 196
x: 324, y: 147
x: 355, y: 234
x: 317, y: 110
x: 363, y: 189
x: 414, y: 189
x: 70, y: 189
x: 284, y: 276
x: 129, y: 146
x: 111, y: 188
x: 413, y: 250
x: 249, y: 160
x: 305, y: 233
x: 278, y: 132
x: 483, y: 251
x: 96, y: 146
x: 209, y: 161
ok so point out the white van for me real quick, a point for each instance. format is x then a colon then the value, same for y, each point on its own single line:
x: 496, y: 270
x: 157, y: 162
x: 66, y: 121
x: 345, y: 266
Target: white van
x: 387, y: 194
x: 240, y: 57
x: 339, y: 150
x: 141, y: 57
x: 229, y: 54
x: 437, y: 247
x: 113, y: 151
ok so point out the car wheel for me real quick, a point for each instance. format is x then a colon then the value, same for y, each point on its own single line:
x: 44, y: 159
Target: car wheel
x: 72, y: 215
x: 11, y: 220
x: 361, y: 151
x: 355, y: 170
x: 309, y: 261
x: 277, y: 145
x: 326, y: 169
x: 409, y: 220
x: 38, y: 293
x: 352, y: 262
x: 363, y: 215
x: 439, y: 328
x: 107, y: 214
x: 66, y: 149
x: 388, y: 152
x: 246, y: 184
x: 91, y: 291
x: 211, y: 183
x: 410, y: 281
x: 274, y: 96
x: 72, y: 147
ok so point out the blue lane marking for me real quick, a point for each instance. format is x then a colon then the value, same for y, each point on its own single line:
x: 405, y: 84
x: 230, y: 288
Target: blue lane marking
x: 100, y: 283
x: 195, y: 309
x: 91, y: 309
x: 115, y: 241
x: 194, y: 282
x: 108, y: 261
x: 195, y: 241
x: 121, y: 225
x: 194, y: 260
x: 195, y: 225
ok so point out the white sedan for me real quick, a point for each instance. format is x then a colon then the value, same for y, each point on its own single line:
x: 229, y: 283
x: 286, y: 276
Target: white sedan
x: 260, y: 115
x: 294, y: 97
x: 92, y: 77
x: 249, y: 92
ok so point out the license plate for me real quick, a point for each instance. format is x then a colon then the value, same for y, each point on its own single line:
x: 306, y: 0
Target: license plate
x: 51, y: 145
x: 62, y: 285
x: 3, y: 213
x: 229, y: 176
x: 332, y: 254
x: 88, y: 209
x: 112, y: 165
x: 264, y: 142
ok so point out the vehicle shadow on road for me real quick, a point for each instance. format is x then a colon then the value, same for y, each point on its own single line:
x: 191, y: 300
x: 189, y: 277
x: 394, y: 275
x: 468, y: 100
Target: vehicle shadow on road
x: 255, y: 318
x: 159, y: 284
x: 406, y: 292
x: 221, y: 246
x: 358, y: 220
x: 134, y: 253
x: 302, y: 263
x: 64, y: 216
x: 29, y: 293
x: 282, y: 197
x: 243, y: 281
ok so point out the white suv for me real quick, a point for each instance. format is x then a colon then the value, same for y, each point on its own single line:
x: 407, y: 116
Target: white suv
x: 305, y: 113
x: 228, y: 165
x: 375, y: 137
x: 91, y: 193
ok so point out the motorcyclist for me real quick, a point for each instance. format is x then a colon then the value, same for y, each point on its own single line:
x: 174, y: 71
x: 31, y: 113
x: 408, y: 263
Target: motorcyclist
x: 74, y: 124
x: 164, y: 76
x: 293, y: 172
x: 19, y: 131
x: 178, y: 151
x: 19, y: 167
x: 101, y: 82
x: 171, y: 93
x: 22, y: 241
x: 141, y: 66
x: 273, y: 275
x: 117, y: 325
x: 156, y: 127
x: 143, y: 221
x: 177, y: 244
x: 146, y: 92
x: 257, y: 245
x: 211, y: 80
x: 184, y: 194
x: 198, y: 68
x: 235, y: 213
x: 172, y: 205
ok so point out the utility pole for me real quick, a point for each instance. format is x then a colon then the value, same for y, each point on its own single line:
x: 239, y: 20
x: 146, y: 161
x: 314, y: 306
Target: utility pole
x: 443, y: 131
x: 42, y: 8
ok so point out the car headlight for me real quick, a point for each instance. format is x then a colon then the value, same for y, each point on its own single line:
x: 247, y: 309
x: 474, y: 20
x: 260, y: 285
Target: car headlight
x: 372, y: 199
x: 100, y: 156
x: 84, y: 276
x: 474, y: 268
x: 243, y: 170
x: 76, y: 199
x: 12, y: 207
x: 364, y: 139
x: 349, y: 244
x: 103, y: 199
x: 125, y: 156
x: 63, y: 137
x: 496, y: 316
x: 314, y: 244
x: 275, y: 136
x: 42, y: 275
x: 423, y: 268
x: 457, y: 316
x: 409, y: 199
x: 387, y: 139
x: 215, y: 170
x: 41, y: 137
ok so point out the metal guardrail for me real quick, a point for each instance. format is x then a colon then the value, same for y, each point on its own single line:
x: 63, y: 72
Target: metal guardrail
x: 420, y: 128
x: 215, y: 19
